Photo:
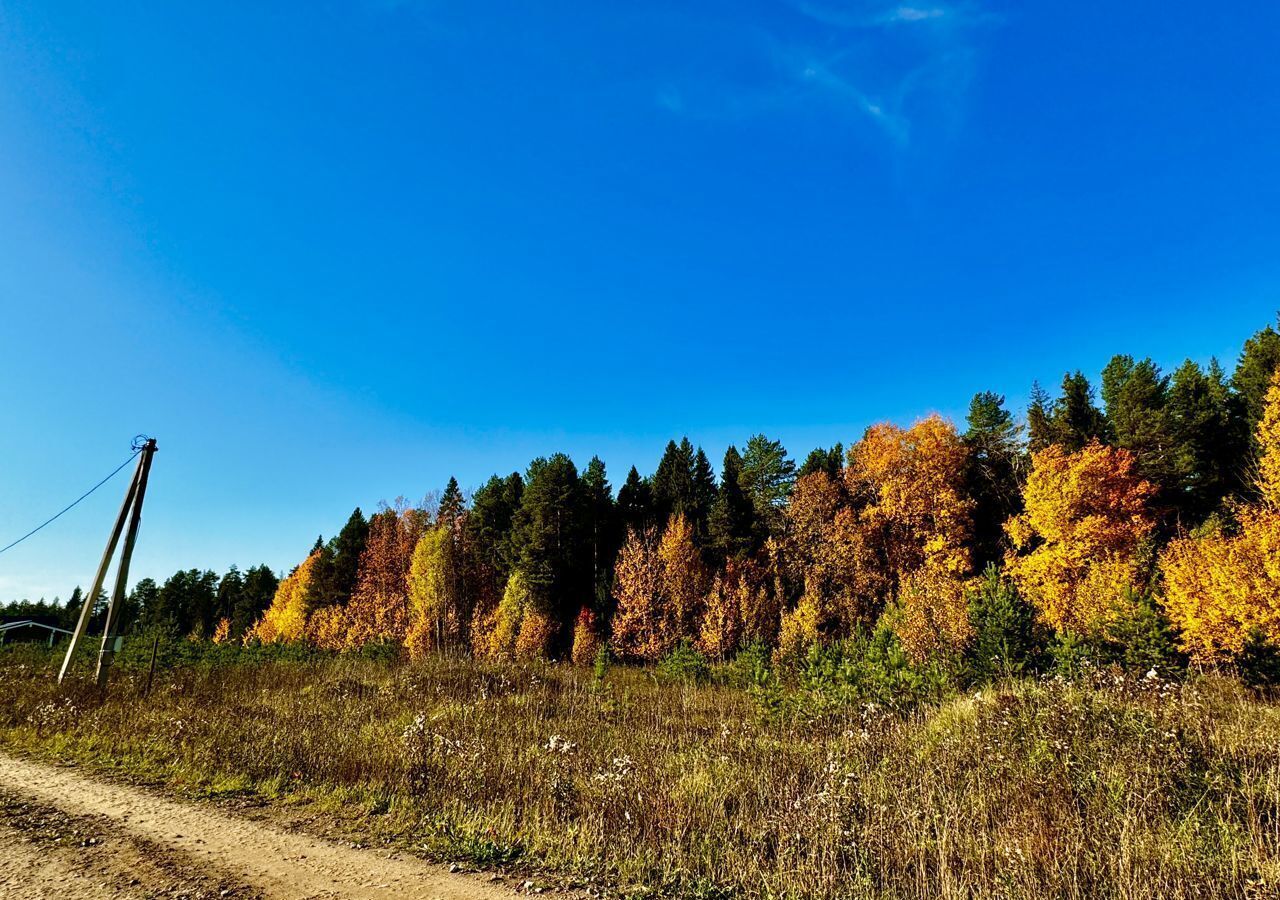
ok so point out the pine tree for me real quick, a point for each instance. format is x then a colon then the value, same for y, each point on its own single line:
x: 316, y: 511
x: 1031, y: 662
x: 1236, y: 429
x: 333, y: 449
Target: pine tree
x: 767, y: 478
x: 260, y: 585
x: 821, y: 459
x: 731, y: 528
x: 548, y: 530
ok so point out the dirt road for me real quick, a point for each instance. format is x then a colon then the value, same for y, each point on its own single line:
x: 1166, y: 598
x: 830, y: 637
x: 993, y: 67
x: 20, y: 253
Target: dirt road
x: 68, y: 836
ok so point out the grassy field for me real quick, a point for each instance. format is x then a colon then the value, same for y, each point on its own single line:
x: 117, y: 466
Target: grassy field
x: 1102, y: 787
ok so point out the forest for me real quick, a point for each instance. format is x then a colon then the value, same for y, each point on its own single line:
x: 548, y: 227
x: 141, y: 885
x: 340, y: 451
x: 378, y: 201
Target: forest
x: 1136, y: 525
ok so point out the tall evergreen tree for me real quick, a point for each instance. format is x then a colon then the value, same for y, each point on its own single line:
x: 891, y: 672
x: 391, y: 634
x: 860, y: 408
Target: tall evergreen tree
x: 1259, y: 358
x: 704, y: 495
x: 1076, y: 418
x: 489, y: 524
x: 259, y: 588
x: 230, y: 587
x: 601, y: 527
x: 767, y: 477
x: 673, y: 482
x: 992, y: 474
x: 346, y: 547
x: 550, y: 541
x: 1039, y: 419
x: 452, y: 505
x: 635, y: 504
x: 1207, y: 450
x: 821, y: 459
x: 1135, y: 395
x: 732, y: 528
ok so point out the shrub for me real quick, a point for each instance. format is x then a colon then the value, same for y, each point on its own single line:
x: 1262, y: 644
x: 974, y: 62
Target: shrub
x: 1007, y: 637
x: 684, y: 663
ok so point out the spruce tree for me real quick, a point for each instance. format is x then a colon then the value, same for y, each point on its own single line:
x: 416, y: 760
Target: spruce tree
x: 1207, y: 451
x: 992, y: 473
x: 1039, y: 421
x: 1259, y: 358
x: 452, y: 505
x: 673, y: 482
x: 549, y: 538
x: 1135, y: 396
x: 346, y: 548
x: 767, y: 477
x: 1076, y: 419
x: 601, y: 527
x: 635, y: 504
x: 732, y: 527
x: 704, y: 495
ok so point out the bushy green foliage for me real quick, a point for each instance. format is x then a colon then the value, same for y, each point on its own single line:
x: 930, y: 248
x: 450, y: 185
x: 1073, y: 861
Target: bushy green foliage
x: 1008, y: 640
x: 863, y: 669
x: 1259, y: 661
x: 684, y: 663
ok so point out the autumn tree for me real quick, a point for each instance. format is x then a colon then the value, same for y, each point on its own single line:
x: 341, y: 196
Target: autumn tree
x: 913, y: 480
x: 489, y: 551
x: 684, y: 579
x: 379, y: 608
x: 637, y: 630
x: 1221, y: 588
x: 438, y: 613
x: 931, y: 616
x: 285, y: 621
x: 1076, y: 545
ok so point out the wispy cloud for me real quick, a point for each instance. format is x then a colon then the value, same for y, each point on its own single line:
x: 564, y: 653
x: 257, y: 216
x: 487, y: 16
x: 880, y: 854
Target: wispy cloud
x: 886, y: 64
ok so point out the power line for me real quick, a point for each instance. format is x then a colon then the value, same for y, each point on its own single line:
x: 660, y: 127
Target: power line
x: 73, y: 504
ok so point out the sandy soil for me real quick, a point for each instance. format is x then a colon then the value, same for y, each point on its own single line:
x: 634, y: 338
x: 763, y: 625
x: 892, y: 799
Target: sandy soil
x: 69, y: 836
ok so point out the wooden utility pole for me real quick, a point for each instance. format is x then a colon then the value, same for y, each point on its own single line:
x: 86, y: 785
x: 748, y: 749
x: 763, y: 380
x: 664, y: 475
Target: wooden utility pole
x: 130, y: 513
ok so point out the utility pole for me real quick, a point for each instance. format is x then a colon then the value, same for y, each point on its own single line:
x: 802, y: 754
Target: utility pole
x: 130, y: 514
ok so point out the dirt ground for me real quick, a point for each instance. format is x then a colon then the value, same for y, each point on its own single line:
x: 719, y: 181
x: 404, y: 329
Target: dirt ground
x: 68, y: 836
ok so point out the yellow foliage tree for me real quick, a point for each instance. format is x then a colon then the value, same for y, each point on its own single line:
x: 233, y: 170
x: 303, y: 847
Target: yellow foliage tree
x: 1269, y: 446
x: 509, y: 618
x: 437, y: 614
x: 1219, y: 587
x: 285, y: 620
x: 684, y: 581
x: 931, y: 617
x: 1076, y: 544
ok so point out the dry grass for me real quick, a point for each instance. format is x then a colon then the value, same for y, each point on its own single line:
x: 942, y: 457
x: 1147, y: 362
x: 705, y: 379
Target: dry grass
x: 1128, y: 789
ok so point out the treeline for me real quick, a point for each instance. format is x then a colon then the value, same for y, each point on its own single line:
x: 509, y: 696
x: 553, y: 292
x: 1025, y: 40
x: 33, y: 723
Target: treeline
x: 1139, y: 523
x: 191, y: 603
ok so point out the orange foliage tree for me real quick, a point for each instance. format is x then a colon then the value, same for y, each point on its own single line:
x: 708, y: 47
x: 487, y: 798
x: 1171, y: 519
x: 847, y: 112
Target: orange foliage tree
x: 639, y: 623
x: 931, y: 617
x: 379, y: 607
x: 1076, y: 544
x: 1218, y: 587
x: 913, y: 482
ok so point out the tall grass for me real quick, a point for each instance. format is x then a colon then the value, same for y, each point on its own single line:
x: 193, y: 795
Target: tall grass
x: 1114, y: 787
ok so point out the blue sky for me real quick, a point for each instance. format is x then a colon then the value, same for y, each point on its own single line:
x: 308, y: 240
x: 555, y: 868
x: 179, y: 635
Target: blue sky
x: 334, y: 252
